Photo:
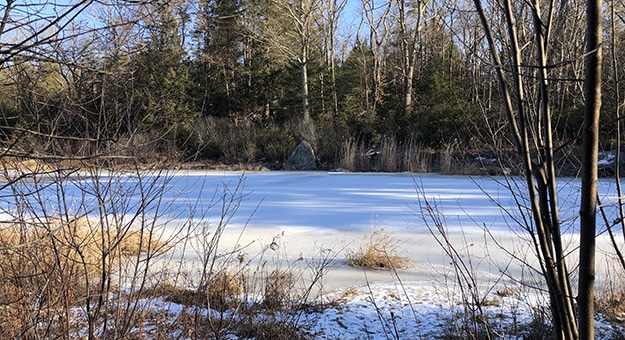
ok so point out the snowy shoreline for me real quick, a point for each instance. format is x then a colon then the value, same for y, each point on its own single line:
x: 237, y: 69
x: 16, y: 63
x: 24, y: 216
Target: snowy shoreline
x: 298, y: 220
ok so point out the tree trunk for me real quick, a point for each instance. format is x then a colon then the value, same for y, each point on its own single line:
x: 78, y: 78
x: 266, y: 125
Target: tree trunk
x: 305, y: 108
x: 303, y: 17
x: 409, y: 47
x: 565, y: 309
x: 588, y: 205
x: 304, y: 74
x: 334, y: 13
x: 531, y: 130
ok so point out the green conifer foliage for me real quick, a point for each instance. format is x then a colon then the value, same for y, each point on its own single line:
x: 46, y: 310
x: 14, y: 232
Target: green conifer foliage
x: 163, y: 82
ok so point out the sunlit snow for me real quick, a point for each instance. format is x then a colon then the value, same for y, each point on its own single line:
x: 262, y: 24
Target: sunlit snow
x: 308, y: 214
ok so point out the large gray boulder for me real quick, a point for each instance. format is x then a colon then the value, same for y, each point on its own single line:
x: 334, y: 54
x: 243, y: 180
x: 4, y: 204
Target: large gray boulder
x: 302, y: 158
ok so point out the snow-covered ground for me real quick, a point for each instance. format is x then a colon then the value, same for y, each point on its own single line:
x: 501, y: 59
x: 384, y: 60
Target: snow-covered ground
x: 307, y: 213
x: 302, y: 217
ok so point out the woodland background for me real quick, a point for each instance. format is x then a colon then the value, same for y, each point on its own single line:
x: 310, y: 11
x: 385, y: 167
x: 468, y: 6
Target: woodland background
x: 243, y: 82
x: 527, y: 88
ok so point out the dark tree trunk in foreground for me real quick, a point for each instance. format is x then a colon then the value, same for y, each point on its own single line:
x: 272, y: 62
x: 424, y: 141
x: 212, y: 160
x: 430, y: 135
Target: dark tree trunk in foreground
x: 592, y: 94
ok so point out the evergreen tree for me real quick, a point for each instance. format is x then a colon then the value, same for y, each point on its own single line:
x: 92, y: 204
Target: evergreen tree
x: 162, y: 80
x: 355, y: 88
x: 219, y: 65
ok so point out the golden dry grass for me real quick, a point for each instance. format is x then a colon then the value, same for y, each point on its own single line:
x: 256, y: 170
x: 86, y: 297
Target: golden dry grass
x: 610, y: 295
x: 220, y: 293
x: 611, y: 304
x: 67, y: 243
x: 24, y: 164
x: 48, y: 266
x: 379, y: 252
x: 278, y: 285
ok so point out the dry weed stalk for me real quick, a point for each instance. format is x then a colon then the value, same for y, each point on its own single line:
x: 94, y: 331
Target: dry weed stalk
x: 52, y: 264
x: 472, y: 322
x: 80, y: 241
x: 379, y: 252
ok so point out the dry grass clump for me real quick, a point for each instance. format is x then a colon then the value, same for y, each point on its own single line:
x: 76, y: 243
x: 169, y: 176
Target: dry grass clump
x: 610, y: 302
x: 60, y: 244
x: 23, y: 164
x: 506, y: 292
x: 271, y: 317
x: 221, y: 293
x: 270, y: 329
x: 379, y: 252
x: 278, y: 285
x: 610, y: 297
x: 54, y: 264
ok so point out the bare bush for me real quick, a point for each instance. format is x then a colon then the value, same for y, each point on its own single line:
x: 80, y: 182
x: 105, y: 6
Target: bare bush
x: 62, y: 261
x: 388, y: 159
x: 471, y: 322
x: 106, y: 273
x: 79, y: 243
x: 379, y: 252
x: 415, y: 158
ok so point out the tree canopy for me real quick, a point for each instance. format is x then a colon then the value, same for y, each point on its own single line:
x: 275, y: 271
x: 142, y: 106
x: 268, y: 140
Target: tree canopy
x: 212, y: 79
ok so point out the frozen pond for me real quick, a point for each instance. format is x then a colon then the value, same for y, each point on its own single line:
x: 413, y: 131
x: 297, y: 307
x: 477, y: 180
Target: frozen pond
x: 310, y: 212
x: 294, y: 221
x: 358, y: 202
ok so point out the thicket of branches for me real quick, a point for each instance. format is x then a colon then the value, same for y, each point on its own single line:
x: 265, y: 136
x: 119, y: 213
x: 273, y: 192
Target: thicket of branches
x: 243, y: 81
x: 101, y: 82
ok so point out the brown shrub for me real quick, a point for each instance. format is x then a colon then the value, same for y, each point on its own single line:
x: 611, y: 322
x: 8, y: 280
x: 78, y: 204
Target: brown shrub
x: 50, y: 265
x: 610, y: 302
x: 379, y: 252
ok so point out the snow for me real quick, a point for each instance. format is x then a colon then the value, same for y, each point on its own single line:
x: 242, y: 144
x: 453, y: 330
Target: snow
x: 606, y: 158
x: 307, y: 212
x: 312, y: 215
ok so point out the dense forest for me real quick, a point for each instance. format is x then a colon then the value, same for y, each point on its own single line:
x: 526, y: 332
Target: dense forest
x: 244, y: 81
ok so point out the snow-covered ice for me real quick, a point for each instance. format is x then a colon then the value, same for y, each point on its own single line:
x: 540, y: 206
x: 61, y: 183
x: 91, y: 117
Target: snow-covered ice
x: 307, y: 214
x: 312, y: 211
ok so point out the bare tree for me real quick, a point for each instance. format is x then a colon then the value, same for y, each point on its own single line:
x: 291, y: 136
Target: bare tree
x: 410, y: 42
x: 27, y: 27
x: 289, y: 31
x: 376, y: 18
x: 528, y: 109
x: 332, y: 11
x: 590, y: 134
x: 65, y: 59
